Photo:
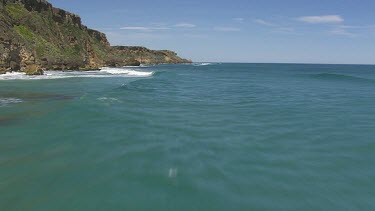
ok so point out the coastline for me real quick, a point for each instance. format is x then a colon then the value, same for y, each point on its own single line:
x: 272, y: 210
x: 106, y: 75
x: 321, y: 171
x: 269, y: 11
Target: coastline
x: 37, y: 36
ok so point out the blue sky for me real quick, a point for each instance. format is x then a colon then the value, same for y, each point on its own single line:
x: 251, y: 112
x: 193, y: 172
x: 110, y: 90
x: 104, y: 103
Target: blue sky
x: 301, y: 31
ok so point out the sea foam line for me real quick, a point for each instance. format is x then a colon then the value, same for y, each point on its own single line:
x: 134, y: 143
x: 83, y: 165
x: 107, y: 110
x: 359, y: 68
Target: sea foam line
x: 6, y: 101
x: 204, y: 64
x: 105, y: 72
x: 129, y: 72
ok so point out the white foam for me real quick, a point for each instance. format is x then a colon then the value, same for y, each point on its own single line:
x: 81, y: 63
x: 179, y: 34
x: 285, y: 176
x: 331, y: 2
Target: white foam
x: 202, y: 64
x: 109, y: 99
x: 6, y: 101
x: 173, y: 172
x: 140, y: 66
x: 104, y: 73
x: 11, y: 75
x: 129, y: 72
x: 47, y: 75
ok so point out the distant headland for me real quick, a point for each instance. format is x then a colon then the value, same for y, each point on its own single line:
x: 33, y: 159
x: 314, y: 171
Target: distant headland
x: 35, y: 36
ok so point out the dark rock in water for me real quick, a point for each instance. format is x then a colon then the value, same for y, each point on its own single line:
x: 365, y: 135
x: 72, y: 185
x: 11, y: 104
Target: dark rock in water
x: 14, y: 66
x: 132, y: 62
x: 118, y: 62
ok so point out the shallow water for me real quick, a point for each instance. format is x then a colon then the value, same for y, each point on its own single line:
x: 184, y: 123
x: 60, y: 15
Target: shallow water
x: 189, y: 137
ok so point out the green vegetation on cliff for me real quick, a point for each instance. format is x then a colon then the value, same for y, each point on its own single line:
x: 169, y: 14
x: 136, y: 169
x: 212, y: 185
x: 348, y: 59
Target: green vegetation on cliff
x: 33, y: 32
x: 16, y: 11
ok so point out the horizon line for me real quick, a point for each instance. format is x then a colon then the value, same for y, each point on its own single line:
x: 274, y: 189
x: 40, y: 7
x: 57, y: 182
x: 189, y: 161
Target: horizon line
x: 301, y: 63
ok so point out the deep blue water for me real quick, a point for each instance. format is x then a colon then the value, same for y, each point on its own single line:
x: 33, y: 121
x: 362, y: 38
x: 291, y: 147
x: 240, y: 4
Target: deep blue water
x: 190, y: 137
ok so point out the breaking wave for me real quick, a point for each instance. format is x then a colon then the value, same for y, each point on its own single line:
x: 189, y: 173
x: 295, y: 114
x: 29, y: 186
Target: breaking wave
x: 128, y: 72
x: 6, y: 101
x: 105, y: 72
x: 202, y: 64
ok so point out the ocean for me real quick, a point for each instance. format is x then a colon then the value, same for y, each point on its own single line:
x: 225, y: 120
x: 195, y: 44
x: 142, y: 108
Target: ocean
x: 205, y: 136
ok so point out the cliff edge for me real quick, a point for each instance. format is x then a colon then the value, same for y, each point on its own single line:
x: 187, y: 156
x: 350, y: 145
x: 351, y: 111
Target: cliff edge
x: 35, y: 36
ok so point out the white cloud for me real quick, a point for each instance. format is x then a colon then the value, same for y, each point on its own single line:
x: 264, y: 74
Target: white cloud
x: 239, y: 19
x: 227, y: 29
x: 263, y: 22
x: 185, y: 25
x: 321, y: 19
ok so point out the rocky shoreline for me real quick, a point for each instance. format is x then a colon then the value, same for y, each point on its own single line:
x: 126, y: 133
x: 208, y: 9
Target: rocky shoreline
x: 35, y: 36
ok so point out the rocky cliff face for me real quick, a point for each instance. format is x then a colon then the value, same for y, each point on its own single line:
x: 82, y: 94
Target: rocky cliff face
x: 34, y: 35
x: 36, y: 5
x: 147, y: 56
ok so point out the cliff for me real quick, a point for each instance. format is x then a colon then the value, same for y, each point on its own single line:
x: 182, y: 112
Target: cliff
x: 147, y: 56
x: 35, y: 36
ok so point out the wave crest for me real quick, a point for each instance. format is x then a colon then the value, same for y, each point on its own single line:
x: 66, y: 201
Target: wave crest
x: 202, y: 64
x: 6, y: 101
x: 129, y: 72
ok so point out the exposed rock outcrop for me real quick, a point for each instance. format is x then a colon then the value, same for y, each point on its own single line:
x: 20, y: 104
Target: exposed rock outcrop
x: 36, y: 5
x: 35, y: 36
x: 33, y: 69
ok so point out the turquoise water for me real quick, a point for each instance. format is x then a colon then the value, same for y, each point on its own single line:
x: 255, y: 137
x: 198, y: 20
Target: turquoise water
x: 190, y: 137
